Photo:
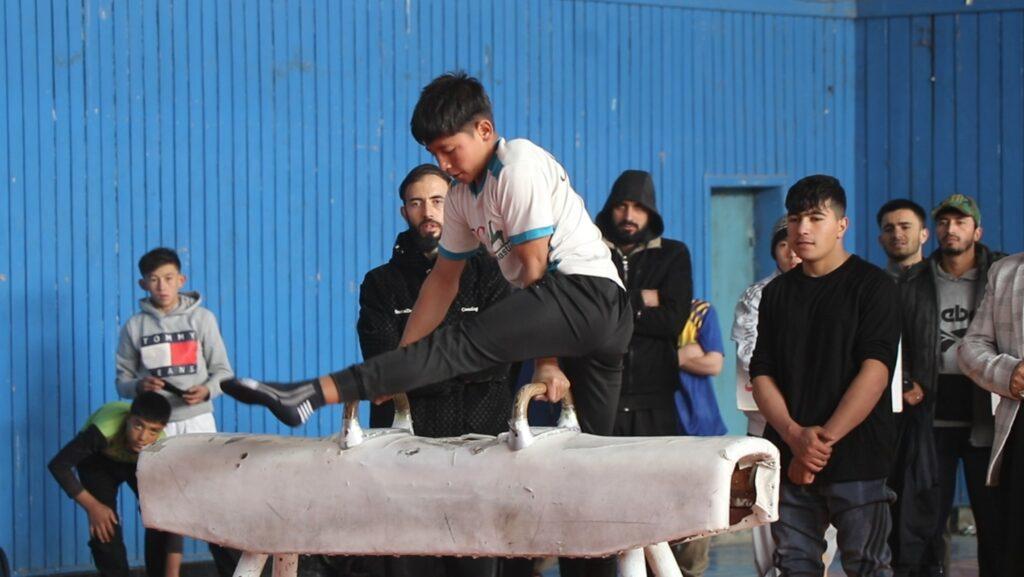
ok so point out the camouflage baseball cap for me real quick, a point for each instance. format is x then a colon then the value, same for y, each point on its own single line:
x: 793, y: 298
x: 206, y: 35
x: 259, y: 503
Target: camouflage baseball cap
x: 961, y: 203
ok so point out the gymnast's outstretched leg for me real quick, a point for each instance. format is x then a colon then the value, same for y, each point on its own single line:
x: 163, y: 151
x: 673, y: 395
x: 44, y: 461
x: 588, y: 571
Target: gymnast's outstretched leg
x: 565, y: 316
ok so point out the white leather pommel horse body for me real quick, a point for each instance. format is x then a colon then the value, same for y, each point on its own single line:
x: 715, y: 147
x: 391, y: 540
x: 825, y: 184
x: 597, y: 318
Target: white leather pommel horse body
x: 527, y: 493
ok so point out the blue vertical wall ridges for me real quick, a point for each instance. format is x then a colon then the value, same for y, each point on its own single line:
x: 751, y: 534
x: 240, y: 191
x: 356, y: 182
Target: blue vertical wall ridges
x: 264, y: 141
x: 941, y: 111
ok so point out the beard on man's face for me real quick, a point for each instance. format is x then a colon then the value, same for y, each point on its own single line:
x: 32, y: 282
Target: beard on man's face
x: 956, y: 248
x: 427, y: 237
x: 623, y: 236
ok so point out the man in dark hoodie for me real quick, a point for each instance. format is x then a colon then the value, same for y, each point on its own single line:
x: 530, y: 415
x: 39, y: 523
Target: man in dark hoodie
x: 657, y: 276
x: 479, y: 403
x: 939, y: 297
x: 656, y: 273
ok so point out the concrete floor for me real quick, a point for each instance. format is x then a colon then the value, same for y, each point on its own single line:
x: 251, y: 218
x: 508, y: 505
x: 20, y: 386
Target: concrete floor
x: 735, y: 559
x: 731, y: 556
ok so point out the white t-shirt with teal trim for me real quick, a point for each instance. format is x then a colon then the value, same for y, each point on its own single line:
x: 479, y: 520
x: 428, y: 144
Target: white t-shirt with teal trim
x: 525, y: 195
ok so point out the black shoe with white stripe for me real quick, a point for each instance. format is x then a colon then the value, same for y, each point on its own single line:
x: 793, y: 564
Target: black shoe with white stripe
x: 292, y: 403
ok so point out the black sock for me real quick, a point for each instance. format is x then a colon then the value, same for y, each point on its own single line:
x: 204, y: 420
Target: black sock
x: 317, y: 399
x: 292, y: 403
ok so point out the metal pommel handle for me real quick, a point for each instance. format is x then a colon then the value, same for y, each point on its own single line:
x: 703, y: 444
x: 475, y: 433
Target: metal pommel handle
x: 520, y: 435
x: 352, y: 432
x: 403, y: 413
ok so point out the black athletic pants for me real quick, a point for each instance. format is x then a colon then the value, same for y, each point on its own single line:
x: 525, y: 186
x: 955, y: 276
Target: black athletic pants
x: 952, y: 444
x: 1011, y: 499
x: 102, y: 477
x: 584, y: 321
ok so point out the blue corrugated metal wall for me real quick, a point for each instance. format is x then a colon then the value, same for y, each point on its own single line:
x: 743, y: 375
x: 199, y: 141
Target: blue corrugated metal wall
x: 264, y: 141
x: 942, y: 100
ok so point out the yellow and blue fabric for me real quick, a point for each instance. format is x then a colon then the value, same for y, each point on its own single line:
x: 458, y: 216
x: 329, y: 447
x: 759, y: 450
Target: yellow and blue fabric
x: 695, y: 399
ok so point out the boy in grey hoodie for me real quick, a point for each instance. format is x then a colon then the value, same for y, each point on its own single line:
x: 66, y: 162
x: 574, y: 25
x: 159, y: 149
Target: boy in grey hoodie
x: 173, y: 346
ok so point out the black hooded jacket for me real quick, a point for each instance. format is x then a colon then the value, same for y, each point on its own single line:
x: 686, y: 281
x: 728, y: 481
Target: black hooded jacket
x: 479, y: 403
x: 651, y: 374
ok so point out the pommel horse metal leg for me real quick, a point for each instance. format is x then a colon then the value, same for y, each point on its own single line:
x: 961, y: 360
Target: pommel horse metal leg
x: 662, y: 561
x: 631, y: 563
x: 250, y: 565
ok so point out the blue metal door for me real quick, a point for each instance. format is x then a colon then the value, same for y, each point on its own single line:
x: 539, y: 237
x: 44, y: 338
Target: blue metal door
x: 742, y: 219
x: 732, y: 271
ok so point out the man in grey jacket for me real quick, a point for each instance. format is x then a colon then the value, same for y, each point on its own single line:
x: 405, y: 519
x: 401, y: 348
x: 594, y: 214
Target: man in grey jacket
x: 992, y: 354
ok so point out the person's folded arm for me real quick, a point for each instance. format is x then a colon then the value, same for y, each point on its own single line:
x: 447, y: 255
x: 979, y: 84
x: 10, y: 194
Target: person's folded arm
x: 695, y: 361
x: 675, y: 294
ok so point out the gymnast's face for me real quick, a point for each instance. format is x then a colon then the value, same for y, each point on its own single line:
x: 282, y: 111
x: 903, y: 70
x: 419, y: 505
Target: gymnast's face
x: 424, y: 205
x: 464, y: 155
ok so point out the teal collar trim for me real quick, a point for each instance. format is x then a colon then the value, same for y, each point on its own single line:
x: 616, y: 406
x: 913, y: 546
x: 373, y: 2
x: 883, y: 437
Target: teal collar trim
x: 494, y: 167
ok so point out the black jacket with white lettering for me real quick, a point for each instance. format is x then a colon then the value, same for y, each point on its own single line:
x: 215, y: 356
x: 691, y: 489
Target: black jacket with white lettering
x: 478, y: 403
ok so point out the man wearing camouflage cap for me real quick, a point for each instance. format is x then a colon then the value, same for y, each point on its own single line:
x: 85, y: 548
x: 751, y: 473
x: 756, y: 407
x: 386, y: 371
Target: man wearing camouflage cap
x: 939, y: 297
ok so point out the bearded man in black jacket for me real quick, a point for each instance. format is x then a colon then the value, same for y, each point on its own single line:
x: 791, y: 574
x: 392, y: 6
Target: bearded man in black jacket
x: 657, y: 274
x: 478, y: 403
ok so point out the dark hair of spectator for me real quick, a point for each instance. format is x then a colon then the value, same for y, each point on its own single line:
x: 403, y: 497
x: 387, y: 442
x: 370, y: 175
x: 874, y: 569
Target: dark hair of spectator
x: 419, y: 173
x: 151, y: 406
x: 901, y: 204
x: 816, y: 191
x: 157, y: 258
x: 447, y: 105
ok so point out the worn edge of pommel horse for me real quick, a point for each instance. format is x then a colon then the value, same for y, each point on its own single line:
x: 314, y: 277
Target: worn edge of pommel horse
x: 631, y: 562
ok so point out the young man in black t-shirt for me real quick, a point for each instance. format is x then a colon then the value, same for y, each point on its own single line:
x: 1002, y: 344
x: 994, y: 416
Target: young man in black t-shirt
x: 827, y: 337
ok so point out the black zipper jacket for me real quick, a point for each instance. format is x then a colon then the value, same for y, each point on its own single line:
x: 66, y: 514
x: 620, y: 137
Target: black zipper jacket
x: 479, y: 403
x: 920, y: 301
x: 651, y: 373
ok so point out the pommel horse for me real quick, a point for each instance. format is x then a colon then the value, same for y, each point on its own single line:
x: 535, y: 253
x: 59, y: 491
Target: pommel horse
x: 530, y: 492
